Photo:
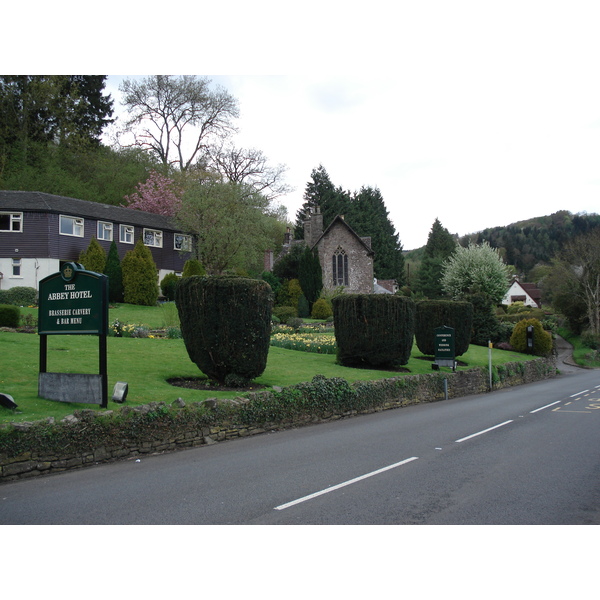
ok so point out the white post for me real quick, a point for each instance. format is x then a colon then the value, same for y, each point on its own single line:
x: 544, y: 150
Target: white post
x: 490, y: 361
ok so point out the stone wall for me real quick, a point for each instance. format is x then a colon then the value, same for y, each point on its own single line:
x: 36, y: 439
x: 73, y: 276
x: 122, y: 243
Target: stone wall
x: 164, y: 436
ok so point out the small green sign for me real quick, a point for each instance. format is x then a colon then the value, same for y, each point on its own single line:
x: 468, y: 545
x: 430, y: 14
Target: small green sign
x: 444, y: 343
x: 73, y: 301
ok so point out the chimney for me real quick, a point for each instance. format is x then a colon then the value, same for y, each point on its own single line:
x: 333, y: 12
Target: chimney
x: 268, y: 260
x: 287, y: 238
x: 313, y: 227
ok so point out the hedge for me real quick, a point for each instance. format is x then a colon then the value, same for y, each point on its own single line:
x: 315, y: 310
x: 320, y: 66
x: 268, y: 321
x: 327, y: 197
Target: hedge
x: 373, y: 330
x: 431, y: 314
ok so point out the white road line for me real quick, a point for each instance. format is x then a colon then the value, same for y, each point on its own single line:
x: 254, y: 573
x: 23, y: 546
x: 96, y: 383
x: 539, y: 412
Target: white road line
x: 578, y: 393
x: 482, y: 432
x: 543, y: 407
x: 344, y: 484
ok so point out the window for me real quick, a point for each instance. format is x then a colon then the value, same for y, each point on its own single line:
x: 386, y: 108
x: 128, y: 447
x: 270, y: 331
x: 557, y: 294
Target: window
x: 340, y: 267
x: 71, y: 226
x: 126, y: 234
x: 16, y: 267
x: 183, y: 242
x: 152, y: 237
x: 11, y: 221
x: 105, y: 231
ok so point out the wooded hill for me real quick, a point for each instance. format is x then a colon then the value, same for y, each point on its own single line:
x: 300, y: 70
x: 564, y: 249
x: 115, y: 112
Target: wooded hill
x: 524, y: 244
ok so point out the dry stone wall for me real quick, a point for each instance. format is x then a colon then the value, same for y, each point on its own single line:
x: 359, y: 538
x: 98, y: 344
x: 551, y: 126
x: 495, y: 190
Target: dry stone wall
x: 153, y: 429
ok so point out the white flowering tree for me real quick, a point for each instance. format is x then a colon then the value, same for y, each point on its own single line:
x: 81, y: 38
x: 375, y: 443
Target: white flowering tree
x: 475, y: 270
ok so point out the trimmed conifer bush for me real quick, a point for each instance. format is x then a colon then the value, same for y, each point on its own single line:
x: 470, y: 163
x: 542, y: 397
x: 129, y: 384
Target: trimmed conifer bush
x: 321, y: 309
x: 94, y: 257
x: 226, y: 325
x: 542, y: 340
x: 167, y: 285
x: 140, y: 279
x: 114, y: 272
x: 373, y: 330
x: 431, y: 314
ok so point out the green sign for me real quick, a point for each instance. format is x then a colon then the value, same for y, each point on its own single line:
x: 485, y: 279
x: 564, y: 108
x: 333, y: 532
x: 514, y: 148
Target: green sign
x: 73, y: 301
x: 444, y: 343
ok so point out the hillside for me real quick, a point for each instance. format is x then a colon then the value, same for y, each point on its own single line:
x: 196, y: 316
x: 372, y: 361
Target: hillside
x: 526, y: 243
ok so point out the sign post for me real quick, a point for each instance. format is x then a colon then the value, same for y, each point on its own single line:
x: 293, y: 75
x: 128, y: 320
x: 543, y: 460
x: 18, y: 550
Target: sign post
x: 445, y: 347
x: 73, y: 302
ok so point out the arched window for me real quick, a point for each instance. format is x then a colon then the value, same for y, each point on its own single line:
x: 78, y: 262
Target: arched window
x: 340, y: 267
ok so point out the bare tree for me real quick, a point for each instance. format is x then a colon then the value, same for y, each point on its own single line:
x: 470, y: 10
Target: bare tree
x: 582, y: 255
x: 177, y: 118
x: 249, y: 166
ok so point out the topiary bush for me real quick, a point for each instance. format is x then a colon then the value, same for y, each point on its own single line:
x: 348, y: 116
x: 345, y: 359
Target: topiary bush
x: 140, y: 280
x: 373, y: 330
x: 226, y: 325
x: 321, y: 309
x: 10, y: 315
x: 167, y: 285
x: 94, y: 257
x: 193, y: 267
x: 114, y: 272
x: 431, y: 314
x: 542, y: 340
x: 285, y: 313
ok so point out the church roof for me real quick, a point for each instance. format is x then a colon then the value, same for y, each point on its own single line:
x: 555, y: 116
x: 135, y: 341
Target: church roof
x: 339, y: 219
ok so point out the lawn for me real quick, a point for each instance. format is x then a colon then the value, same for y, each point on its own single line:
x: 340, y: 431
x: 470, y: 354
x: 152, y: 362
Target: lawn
x: 146, y: 364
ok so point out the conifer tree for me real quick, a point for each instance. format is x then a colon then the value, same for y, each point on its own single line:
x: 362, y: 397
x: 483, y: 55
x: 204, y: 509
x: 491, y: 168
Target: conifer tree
x: 310, y: 276
x: 94, y: 257
x: 440, y: 246
x: 140, y: 279
x: 115, y: 274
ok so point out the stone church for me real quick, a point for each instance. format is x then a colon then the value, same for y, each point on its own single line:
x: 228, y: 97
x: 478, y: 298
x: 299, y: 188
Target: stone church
x: 346, y: 258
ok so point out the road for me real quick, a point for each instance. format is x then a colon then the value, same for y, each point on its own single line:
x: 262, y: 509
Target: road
x: 526, y: 455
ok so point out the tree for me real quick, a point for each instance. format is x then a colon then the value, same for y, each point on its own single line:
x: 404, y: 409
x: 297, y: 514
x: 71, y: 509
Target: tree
x: 320, y: 192
x: 229, y: 225
x: 158, y: 194
x: 581, y: 261
x: 140, y: 280
x: 368, y: 216
x: 177, y: 118
x: 249, y: 166
x: 475, y: 270
x: 440, y: 246
x: 310, y: 276
x: 115, y: 274
x: 94, y: 257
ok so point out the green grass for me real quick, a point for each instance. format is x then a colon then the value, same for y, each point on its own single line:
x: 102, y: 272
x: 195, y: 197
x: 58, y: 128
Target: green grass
x: 583, y: 355
x: 146, y: 364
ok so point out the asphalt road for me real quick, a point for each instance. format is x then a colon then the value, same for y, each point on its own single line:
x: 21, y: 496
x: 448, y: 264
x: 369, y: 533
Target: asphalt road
x: 526, y: 455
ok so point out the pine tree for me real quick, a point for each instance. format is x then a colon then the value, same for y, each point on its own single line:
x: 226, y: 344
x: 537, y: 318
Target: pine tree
x: 440, y: 246
x: 94, y: 257
x: 115, y: 274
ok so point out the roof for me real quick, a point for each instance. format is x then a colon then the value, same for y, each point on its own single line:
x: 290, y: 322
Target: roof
x: 530, y: 289
x: 50, y: 203
x: 340, y: 219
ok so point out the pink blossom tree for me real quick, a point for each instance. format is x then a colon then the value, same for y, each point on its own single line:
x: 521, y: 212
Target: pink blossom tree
x: 158, y: 194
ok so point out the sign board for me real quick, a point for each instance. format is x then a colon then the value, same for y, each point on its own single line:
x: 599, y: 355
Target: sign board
x: 73, y: 301
x: 444, y: 346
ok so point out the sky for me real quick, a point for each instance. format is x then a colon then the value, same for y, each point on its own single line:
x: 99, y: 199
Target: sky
x: 476, y: 113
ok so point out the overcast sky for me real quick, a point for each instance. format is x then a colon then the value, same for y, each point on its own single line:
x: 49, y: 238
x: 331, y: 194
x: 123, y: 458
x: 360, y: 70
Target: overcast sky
x: 477, y: 113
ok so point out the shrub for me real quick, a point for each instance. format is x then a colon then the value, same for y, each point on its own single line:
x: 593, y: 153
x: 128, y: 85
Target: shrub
x: 486, y: 326
x: 373, y: 330
x: 226, y: 325
x: 19, y: 295
x: 321, y: 309
x: 303, y: 307
x: 193, y: 267
x: 167, y: 285
x: 114, y: 272
x: 285, y: 313
x: 94, y: 257
x: 139, y: 276
x: 431, y: 314
x: 295, y: 323
x: 10, y: 315
x: 542, y: 340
